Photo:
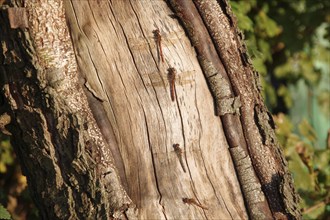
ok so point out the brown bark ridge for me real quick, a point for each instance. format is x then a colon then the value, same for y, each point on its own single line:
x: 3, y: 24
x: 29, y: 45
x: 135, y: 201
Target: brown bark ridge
x: 263, y: 148
x: 227, y: 107
x: 67, y: 162
x: 79, y: 170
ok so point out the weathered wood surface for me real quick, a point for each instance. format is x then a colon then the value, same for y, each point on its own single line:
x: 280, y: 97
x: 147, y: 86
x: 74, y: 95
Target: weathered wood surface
x: 124, y: 78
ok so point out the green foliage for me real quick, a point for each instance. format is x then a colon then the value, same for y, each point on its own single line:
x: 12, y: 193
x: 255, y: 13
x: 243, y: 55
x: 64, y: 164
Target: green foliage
x: 288, y: 42
x: 324, y: 102
x: 4, y: 214
x: 310, y: 166
x: 6, y: 154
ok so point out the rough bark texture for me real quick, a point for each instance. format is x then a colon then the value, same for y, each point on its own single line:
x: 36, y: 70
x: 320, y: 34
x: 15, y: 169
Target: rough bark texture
x: 64, y: 156
x: 118, y: 155
x: 265, y: 151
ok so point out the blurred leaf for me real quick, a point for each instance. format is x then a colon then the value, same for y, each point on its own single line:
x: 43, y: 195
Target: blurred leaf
x: 3, y: 167
x: 241, y: 9
x: 289, y: 70
x: 308, y: 70
x: 270, y: 93
x: 324, y: 102
x: 322, y: 165
x: 284, y: 128
x: 4, y: 214
x: 303, y: 179
x: 285, y: 94
x: 323, y: 160
x: 315, y: 213
x: 259, y: 66
x: 6, y: 155
x: 266, y: 26
x: 299, y: 65
x: 307, y: 131
x: 264, y: 47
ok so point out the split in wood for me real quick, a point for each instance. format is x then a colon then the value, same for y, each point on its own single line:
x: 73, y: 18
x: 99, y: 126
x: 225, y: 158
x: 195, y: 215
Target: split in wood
x: 193, y: 201
x: 158, y: 39
x: 171, y: 79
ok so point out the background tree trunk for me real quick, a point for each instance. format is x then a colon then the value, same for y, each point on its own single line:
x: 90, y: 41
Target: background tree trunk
x: 113, y: 156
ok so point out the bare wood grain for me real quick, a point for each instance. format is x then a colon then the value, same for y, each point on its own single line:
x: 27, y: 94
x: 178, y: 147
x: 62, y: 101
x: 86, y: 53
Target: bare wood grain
x: 117, y: 56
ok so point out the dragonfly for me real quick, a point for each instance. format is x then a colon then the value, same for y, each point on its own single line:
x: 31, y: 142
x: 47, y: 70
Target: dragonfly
x: 181, y: 78
x: 167, y: 39
x: 193, y: 201
x: 158, y: 39
x: 171, y: 78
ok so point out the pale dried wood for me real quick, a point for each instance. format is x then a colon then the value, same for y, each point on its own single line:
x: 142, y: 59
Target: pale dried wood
x: 118, y: 59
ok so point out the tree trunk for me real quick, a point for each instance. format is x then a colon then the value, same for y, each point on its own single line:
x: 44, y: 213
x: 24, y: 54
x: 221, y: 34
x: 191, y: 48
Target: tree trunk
x: 120, y: 120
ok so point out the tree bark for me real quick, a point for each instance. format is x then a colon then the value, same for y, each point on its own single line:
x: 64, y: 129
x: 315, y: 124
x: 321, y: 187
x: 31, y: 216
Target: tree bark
x: 101, y: 131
